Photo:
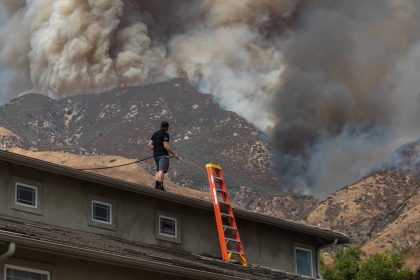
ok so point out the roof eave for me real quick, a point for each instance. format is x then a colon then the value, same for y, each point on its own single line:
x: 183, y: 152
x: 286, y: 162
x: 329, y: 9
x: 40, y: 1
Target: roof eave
x: 115, y: 259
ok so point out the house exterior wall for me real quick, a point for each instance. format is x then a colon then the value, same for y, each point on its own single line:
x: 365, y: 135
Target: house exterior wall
x: 66, y: 268
x: 65, y: 202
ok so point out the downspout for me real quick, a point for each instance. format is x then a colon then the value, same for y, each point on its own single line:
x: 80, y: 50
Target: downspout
x: 318, y: 255
x: 10, y: 251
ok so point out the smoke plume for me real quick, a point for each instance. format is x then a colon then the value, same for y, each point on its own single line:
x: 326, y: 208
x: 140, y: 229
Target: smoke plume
x: 66, y: 47
x: 334, y: 83
x: 349, y: 95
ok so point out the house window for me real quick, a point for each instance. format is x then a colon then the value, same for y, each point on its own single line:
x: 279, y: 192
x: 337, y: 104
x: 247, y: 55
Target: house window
x: 304, y: 261
x: 101, y: 212
x: 167, y: 226
x: 22, y: 273
x: 26, y: 195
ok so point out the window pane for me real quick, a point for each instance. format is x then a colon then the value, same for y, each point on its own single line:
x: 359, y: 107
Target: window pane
x: 26, y: 195
x: 101, y: 212
x: 304, y: 262
x: 167, y: 226
x: 15, y: 274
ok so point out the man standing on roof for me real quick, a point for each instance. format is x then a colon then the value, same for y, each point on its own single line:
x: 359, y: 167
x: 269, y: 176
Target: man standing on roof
x: 161, y: 150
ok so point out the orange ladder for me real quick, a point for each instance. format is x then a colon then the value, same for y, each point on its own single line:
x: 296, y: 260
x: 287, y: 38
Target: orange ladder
x: 230, y: 242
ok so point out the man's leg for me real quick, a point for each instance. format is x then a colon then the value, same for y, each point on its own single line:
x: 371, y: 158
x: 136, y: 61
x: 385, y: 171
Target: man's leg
x: 158, y: 183
x: 160, y: 176
x: 159, y: 180
x: 163, y: 168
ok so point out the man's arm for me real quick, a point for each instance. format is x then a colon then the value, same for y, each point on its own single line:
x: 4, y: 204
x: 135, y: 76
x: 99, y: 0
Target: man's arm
x: 150, y: 144
x: 168, y: 147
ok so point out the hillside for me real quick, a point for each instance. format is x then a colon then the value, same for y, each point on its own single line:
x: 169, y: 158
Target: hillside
x: 381, y: 211
x: 9, y: 140
x: 402, y: 235
x: 121, y: 121
x: 366, y: 207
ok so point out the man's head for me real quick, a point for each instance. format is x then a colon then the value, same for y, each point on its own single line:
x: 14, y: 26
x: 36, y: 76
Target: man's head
x: 164, y: 125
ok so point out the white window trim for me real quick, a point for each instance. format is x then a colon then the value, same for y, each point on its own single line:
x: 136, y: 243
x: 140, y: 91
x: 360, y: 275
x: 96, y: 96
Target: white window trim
x: 312, y: 259
x: 110, y: 212
x: 21, y: 268
x: 176, y: 227
x: 28, y: 186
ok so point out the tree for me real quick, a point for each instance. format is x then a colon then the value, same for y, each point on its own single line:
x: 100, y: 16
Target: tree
x: 385, y: 266
x: 349, y: 265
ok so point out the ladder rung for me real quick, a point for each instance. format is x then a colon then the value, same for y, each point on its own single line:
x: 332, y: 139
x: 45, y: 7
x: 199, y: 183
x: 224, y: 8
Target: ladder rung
x: 226, y: 215
x: 218, y: 179
x: 220, y: 190
x: 234, y: 252
x: 224, y: 203
x: 229, y: 227
x: 233, y: 240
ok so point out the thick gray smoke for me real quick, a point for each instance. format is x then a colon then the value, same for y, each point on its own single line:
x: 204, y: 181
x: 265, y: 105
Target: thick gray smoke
x: 350, y: 93
x: 334, y: 83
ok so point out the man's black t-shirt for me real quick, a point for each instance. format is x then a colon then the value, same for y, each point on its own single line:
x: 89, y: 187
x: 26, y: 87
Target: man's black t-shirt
x: 158, y: 138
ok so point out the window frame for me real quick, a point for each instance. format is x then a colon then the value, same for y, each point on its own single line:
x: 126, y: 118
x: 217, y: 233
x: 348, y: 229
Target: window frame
x: 112, y: 225
x: 14, y: 204
x: 93, y: 201
x: 18, y: 183
x: 26, y: 269
x: 171, y: 219
x: 164, y: 236
x: 306, y: 249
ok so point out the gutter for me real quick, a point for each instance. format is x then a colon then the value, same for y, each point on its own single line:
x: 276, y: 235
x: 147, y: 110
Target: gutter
x: 318, y: 254
x: 10, y: 251
x: 108, y: 258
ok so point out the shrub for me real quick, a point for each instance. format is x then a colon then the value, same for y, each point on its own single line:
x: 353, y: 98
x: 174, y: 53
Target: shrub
x: 348, y: 265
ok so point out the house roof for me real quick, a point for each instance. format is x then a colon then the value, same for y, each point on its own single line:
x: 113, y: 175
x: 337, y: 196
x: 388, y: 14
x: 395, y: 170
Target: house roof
x: 94, y: 247
x: 324, y: 233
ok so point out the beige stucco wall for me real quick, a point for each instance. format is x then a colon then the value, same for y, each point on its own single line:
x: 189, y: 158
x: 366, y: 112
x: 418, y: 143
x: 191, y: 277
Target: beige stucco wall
x: 65, y: 268
x: 65, y: 203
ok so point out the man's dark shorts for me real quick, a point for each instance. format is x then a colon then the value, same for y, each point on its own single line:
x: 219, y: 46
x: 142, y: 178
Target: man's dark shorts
x: 162, y: 163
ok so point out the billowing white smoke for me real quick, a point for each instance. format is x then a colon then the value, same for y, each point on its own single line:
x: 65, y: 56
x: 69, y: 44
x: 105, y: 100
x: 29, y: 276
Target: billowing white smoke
x: 334, y: 83
x: 66, y: 47
x: 77, y: 46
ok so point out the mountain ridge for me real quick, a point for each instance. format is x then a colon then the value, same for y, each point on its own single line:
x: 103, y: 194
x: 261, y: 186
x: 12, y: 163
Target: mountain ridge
x: 121, y: 121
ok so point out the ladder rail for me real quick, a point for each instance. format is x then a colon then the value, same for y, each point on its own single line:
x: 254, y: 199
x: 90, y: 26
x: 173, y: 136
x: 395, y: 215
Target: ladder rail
x: 225, y: 219
x: 218, y: 215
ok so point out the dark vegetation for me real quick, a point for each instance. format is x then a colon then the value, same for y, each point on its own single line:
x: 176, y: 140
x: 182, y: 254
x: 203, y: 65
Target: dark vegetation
x: 352, y: 264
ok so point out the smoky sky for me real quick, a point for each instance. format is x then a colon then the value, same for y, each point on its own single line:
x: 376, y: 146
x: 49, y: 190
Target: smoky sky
x: 333, y: 83
x: 348, y: 95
